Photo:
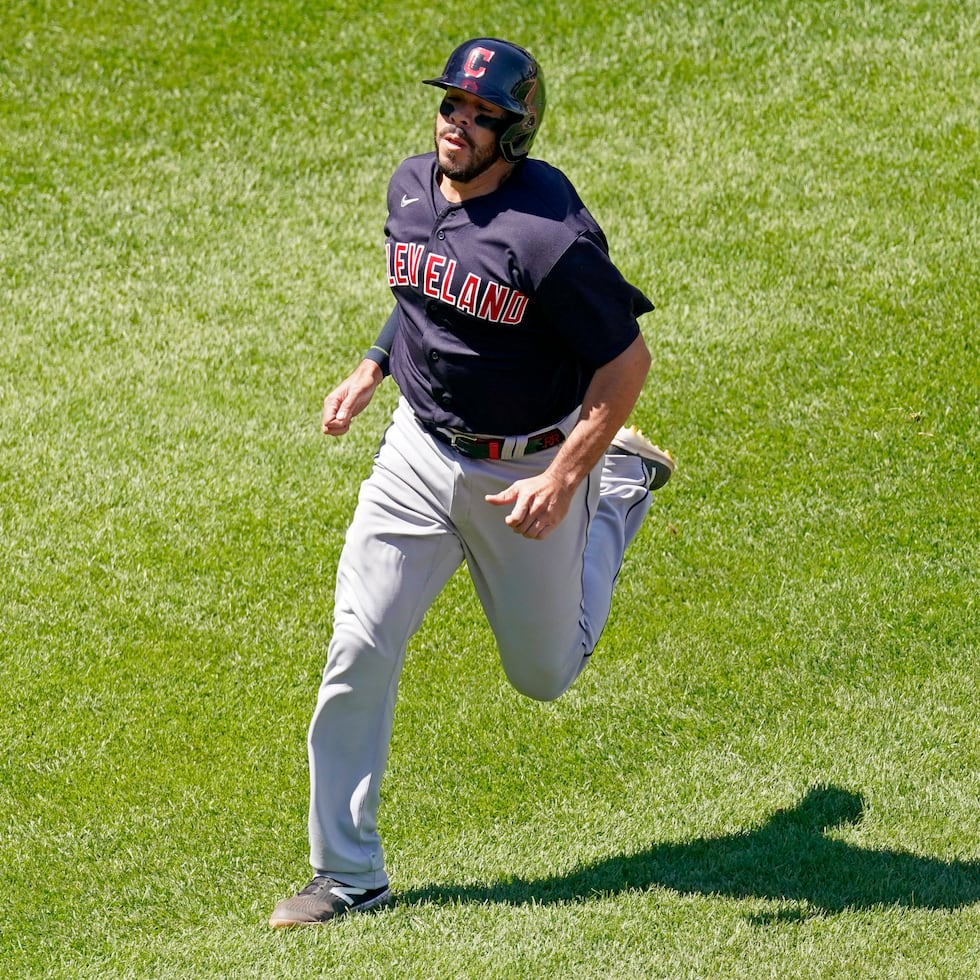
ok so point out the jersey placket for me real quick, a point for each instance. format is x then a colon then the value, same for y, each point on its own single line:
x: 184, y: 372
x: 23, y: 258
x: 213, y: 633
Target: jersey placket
x: 435, y: 283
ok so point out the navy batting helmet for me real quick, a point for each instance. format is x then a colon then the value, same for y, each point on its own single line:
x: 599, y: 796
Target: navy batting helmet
x: 504, y: 75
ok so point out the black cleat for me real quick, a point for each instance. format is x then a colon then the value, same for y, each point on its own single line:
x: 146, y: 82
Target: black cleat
x: 324, y: 899
x: 658, y: 462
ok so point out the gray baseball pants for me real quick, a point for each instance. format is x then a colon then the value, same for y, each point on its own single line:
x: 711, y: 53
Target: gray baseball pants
x: 420, y: 514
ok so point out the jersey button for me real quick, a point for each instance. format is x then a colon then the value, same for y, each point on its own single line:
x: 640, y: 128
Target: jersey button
x: 437, y: 314
x: 440, y: 235
x: 433, y: 355
x: 445, y: 400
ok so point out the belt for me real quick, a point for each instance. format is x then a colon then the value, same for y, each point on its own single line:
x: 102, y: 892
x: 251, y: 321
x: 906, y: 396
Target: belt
x: 496, y: 447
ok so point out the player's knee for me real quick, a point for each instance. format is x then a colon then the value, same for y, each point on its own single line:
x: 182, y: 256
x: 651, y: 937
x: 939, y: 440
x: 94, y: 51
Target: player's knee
x: 543, y: 682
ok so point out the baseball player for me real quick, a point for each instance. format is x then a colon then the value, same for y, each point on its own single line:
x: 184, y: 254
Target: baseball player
x: 516, y: 350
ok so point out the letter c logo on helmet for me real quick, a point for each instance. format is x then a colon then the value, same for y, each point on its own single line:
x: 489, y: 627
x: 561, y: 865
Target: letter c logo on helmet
x: 476, y: 62
x: 506, y: 76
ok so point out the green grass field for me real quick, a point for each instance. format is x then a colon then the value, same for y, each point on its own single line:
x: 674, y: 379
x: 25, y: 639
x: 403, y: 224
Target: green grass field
x: 771, y: 768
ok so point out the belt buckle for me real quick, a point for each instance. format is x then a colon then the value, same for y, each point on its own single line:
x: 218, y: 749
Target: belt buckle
x: 464, y: 443
x: 466, y: 438
x: 467, y: 444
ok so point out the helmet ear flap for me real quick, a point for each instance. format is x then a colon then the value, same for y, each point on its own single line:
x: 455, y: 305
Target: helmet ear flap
x: 515, y: 142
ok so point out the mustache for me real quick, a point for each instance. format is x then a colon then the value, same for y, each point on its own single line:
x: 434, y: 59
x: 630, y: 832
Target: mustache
x: 456, y: 132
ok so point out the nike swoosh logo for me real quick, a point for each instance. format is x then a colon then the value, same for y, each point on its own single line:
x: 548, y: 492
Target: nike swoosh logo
x: 406, y: 200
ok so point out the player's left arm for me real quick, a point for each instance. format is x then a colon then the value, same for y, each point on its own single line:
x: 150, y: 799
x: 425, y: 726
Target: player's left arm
x: 540, y: 503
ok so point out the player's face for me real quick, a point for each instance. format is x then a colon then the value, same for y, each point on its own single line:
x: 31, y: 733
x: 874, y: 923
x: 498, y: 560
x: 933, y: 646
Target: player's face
x: 466, y: 135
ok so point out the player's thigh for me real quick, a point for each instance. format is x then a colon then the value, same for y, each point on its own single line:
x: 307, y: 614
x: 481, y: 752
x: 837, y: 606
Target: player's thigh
x: 398, y: 554
x: 532, y: 592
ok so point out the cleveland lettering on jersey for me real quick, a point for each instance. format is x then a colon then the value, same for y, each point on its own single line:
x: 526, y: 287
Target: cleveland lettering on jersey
x: 411, y: 264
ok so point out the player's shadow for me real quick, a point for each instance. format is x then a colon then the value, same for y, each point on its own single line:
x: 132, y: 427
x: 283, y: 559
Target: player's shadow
x: 790, y: 858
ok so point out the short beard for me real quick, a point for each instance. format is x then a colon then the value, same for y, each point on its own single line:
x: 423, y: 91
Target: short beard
x: 479, y: 164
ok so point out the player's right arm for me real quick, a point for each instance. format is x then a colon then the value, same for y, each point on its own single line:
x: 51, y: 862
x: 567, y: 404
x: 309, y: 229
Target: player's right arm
x: 350, y: 398
x: 353, y: 395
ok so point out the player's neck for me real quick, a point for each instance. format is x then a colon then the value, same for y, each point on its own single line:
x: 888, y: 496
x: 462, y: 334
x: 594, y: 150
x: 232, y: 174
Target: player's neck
x: 456, y: 192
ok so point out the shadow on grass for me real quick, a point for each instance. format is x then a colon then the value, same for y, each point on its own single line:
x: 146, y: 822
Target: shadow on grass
x: 789, y: 858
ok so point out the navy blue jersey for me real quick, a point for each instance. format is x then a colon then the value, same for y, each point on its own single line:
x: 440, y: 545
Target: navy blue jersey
x: 505, y: 304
